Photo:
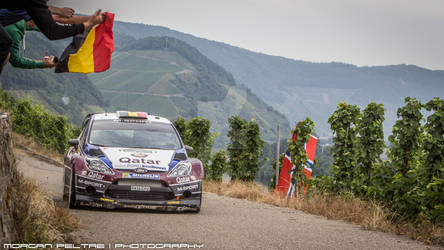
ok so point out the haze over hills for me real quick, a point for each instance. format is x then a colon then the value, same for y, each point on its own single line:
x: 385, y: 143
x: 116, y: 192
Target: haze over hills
x: 295, y: 88
x: 302, y: 89
x: 166, y: 76
x: 161, y: 75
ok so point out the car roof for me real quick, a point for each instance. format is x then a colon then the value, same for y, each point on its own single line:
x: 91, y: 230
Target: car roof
x: 113, y: 116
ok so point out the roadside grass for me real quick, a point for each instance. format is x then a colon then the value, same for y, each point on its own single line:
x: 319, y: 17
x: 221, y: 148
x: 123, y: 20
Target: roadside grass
x: 20, y: 141
x: 36, y: 217
x: 369, y: 214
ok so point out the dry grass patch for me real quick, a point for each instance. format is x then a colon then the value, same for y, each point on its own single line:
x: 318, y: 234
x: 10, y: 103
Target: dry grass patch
x: 36, y: 217
x: 368, y: 214
x: 28, y: 143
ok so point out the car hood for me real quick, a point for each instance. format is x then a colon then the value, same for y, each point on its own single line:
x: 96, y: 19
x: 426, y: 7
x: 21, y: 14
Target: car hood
x: 131, y: 159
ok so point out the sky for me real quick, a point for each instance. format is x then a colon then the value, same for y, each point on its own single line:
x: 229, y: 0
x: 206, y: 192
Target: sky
x: 360, y: 32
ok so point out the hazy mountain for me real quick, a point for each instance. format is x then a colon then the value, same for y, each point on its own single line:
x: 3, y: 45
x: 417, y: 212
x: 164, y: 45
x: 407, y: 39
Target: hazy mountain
x: 300, y: 89
x: 166, y: 76
x: 161, y: 75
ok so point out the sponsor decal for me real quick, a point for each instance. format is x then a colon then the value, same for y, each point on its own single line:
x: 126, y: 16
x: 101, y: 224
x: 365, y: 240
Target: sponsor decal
x: 136, y: 166
x: 185, y: 188
x: 96, y: 176
x: 130, y: 150
x: 90, y: 183
x: 105, y: 199
x: 141, y: 176
x: 143, y: 161
x: 182, y: 179
x: 141, y: 170
x: 131, y: 158
x: 140, y: 188
x: 173, y: 202
x: 154, y: 167
x: 139, y: 155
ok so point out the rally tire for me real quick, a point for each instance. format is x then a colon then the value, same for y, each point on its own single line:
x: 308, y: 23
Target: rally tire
x: 197, y: 209
x: 65, y: 191
x: 72, y: 203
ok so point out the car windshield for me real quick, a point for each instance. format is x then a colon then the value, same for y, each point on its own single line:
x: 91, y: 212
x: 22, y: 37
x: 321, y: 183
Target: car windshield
x: 134, y: 135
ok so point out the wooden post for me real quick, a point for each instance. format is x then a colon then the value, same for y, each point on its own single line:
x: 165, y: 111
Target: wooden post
x: 278, y: 142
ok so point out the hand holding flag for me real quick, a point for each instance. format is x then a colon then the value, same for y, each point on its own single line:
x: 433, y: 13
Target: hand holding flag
x: 97, y: 18
x: 90, y: 52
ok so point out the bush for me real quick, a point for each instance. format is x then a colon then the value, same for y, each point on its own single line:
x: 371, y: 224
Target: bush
x: 218, y: 166
x: 32, y: 120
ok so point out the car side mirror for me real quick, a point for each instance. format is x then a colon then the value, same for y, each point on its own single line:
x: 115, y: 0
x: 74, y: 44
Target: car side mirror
x: 73, y: 142
x: 189, y: 149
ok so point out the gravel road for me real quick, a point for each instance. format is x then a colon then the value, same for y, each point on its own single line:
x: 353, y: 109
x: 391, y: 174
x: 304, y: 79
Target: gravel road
x: 223, y: 223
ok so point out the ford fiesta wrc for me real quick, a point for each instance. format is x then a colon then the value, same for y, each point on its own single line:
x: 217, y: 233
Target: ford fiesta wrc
x: 131, y: 158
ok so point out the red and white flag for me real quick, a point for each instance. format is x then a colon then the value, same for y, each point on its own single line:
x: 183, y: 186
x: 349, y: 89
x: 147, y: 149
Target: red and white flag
x: 285, y: 184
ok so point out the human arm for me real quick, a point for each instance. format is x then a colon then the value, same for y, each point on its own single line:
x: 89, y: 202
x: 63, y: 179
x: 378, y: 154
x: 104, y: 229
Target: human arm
x: 71, y: 20
x: 39, y: 12
x: 16, y: 60
x: 96, y: 18
x: 62, y: 12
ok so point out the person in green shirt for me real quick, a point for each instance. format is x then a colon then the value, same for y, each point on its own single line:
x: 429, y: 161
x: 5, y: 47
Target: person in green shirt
x: 17, y: 32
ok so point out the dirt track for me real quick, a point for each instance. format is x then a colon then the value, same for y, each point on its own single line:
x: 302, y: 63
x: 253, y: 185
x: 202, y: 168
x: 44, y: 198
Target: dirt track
x: 223, y: 223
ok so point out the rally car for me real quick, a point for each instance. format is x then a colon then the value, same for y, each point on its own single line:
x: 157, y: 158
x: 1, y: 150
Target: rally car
x: 131, y: 158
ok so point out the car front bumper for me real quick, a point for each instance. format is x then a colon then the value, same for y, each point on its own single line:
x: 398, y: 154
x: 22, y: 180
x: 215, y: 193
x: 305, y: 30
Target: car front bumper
x: 178, y: 195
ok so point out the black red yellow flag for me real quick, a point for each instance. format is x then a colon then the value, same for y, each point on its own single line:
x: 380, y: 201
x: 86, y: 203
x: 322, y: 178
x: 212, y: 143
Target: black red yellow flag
x: 89, y: 52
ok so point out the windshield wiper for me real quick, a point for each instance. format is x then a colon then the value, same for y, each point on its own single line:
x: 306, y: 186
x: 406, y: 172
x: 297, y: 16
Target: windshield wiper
x: 152, y: 148
x: 99, y: 145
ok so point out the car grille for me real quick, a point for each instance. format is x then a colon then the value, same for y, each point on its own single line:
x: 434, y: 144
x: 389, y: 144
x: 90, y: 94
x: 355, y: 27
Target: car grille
x: 159, y: 190
x: 140, y: 182
x: 136, y: 195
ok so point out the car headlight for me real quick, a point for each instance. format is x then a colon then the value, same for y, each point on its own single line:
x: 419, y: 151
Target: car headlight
x: 182, y: 168
x: 98, y: 166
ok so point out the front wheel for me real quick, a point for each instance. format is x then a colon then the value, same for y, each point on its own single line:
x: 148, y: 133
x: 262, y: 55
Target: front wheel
x: 197, y: 209
x: 65, y: 195
x: 72, y: 192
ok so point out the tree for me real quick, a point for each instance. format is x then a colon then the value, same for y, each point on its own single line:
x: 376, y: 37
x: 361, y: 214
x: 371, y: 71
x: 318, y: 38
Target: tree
x: 297, y: 151
x: 433, y: 170
x: 371, y: 140
x: 245, y: 149
x: 344, y: 123
x: 253, y: 150
x: 236, y: 146
x: 218, y: 166
x: 406, y: 136
x: 405, y: 156
x: 181, y: 127
x: 196, y: 133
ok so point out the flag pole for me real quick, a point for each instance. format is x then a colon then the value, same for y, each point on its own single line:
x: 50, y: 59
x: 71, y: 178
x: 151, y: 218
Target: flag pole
x: 277, y: 153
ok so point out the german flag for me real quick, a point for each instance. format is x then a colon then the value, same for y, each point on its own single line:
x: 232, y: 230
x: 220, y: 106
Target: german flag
x: 89, y: 52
